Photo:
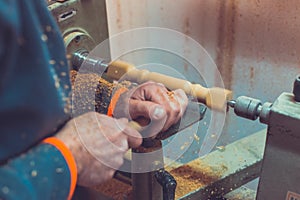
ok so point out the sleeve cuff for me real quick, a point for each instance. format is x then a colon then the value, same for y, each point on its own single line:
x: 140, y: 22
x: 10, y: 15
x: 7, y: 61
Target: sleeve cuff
x: 69, y: 160
x: 114, y: 100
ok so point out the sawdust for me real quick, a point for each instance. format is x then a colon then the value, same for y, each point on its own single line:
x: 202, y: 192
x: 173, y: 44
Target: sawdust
x: 91, y: 92
x: 170, y: 94
x: 190, y: 177
x: 115, y: 189
x: 193, y: 176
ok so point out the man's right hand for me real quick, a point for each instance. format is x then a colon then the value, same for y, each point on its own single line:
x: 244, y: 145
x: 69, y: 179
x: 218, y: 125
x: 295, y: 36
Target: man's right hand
x: 98, y: 144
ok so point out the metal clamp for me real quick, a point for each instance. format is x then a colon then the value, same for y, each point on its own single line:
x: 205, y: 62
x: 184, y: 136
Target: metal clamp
x: 251, y: 108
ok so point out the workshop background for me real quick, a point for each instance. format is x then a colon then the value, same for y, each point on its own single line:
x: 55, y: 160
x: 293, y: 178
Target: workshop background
x: 255, y: 44
x: 256, y: 49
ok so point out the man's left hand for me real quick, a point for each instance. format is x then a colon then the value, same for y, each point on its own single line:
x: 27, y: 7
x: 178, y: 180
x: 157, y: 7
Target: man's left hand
x: 153, y: 106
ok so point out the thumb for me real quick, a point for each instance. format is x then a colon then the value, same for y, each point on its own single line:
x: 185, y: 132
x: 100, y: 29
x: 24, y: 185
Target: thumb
x: 146, y: 109
x: 154, y: 113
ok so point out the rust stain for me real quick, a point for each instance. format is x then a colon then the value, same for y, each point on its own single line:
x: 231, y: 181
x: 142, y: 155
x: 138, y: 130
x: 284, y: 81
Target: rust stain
x: 130, y: 16
x: 119, y: 15
x: 187, y: 33
x: 226, y: 40
x: 226, y: 47
x: 186, y: 26
x: 252, y: 82
x: 251, y: 72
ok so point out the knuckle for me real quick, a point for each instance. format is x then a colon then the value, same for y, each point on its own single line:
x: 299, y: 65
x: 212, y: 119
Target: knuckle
x: 120, y: 143
x: 110, y: 174
x: 119, y: 162
x: 169, y: 111
x: 175, y: 108
x: 181, y: 94
x: 146, y: 84
x: 124, y: 145
x: 114, y: 137
x: 139, y: 142
x: 161, y: 85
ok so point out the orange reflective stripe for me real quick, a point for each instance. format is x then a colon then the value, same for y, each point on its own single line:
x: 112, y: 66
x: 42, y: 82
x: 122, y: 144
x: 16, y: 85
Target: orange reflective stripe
x: 69, y: 159
x: 114, y: 101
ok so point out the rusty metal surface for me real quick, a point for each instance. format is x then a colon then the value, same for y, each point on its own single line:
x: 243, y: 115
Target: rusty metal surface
x: 251, y: 42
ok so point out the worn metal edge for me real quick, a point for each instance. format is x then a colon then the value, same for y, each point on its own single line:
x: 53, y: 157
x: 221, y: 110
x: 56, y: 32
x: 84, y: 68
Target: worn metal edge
x: 251, y: 148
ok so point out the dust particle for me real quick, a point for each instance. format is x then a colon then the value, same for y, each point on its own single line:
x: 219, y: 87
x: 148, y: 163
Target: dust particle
x: 44, y: 37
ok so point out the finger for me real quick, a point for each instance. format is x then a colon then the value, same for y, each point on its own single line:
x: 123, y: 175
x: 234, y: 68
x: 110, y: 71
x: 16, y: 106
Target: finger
x: 147, y: 109
x: 123, y: 144
x: 111, y: 153
x: 134, y: 138
x: 173, y: 111
x: 157, y: 93
x: 123, y: 121
x: 148, y: 91
x: 182, y: 99
x: 167, y: 100
x: 158, y: 118
x: 176, y: 106
x: 116, y: 126
x: 116, y: 144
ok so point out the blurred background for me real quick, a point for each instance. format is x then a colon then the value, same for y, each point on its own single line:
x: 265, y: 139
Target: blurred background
x: 255, y: 44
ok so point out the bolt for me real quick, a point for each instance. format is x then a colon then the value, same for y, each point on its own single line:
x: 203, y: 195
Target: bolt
x: 231, y: 103
x: 77, y: 39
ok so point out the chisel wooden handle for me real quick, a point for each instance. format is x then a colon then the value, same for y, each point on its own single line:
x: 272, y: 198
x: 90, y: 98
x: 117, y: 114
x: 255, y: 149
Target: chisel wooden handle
x: 214, y: 98
x: 135, y: 125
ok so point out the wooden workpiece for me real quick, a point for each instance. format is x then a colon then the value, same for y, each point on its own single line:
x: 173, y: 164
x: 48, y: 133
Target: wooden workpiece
x: 214, y: 98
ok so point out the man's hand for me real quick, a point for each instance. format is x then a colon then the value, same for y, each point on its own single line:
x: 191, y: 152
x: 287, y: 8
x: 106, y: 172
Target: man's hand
x: 98, y: 144
x: 153, y: 105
